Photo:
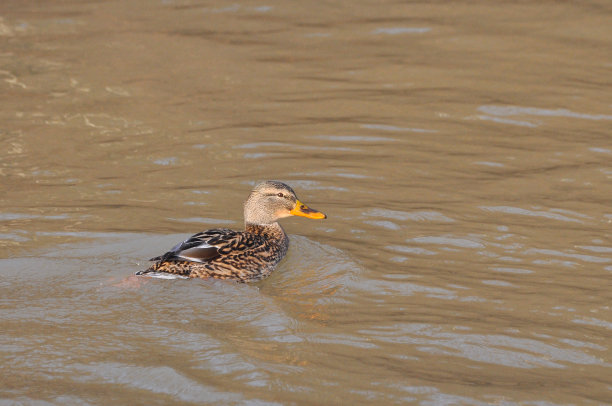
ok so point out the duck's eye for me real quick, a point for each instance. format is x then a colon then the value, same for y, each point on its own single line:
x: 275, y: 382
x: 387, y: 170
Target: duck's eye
x: 280, y: 195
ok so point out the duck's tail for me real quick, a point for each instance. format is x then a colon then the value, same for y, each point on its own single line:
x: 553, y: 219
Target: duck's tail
x: 179, y: 268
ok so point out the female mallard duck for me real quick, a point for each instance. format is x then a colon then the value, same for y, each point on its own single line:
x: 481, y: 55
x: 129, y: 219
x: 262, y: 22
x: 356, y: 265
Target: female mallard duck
x: 245, y: 256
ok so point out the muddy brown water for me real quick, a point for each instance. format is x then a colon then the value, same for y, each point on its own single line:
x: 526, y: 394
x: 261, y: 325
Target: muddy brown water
x: 461, y: 150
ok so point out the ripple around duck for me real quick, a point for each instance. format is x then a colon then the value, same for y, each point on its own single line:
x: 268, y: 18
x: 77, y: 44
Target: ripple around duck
x: 312, y: 271
x: 180, y: 315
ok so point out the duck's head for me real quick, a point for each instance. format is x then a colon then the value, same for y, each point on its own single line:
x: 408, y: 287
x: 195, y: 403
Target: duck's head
x: 272, y: 200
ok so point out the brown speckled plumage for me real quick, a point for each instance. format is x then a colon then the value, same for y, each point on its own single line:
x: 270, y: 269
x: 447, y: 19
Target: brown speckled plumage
x: 245, y: 256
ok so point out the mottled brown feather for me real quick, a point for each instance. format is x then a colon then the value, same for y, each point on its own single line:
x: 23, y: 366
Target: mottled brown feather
x: 246, y: 256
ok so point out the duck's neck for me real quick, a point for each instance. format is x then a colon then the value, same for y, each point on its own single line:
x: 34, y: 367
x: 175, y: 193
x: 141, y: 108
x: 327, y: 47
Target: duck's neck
x: 270, y: 231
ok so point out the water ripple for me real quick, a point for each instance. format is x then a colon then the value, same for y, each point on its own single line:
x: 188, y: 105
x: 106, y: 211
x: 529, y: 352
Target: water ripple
x: 424, y: 215
x: 507, y: 121
x: 582, y: 257
x: 533, y: 111
x: 161, y: 379
x: 452, y: 241
x: 386, y: 127
x: 489, y: 348
x: 401, y: 30
x: 526, y: 212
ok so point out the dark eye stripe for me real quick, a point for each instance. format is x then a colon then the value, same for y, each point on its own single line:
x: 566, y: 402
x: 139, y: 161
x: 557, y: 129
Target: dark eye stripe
x: 280, y: 194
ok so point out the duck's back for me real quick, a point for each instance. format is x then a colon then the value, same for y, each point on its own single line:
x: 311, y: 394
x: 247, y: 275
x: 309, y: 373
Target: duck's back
x: 245, y: 256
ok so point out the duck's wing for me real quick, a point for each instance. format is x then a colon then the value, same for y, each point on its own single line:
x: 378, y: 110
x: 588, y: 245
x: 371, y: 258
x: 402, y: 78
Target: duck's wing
x: 203, y: 247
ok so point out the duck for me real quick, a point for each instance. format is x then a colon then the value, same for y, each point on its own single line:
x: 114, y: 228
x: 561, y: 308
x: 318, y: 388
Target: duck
x: 244, y: 256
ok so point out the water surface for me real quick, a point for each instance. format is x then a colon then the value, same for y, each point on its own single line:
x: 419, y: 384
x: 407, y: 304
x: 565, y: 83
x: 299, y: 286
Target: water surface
x: 461, y: 152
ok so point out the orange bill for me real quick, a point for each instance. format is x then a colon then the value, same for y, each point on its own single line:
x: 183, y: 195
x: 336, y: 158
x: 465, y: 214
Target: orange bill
x: 301, y: 209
